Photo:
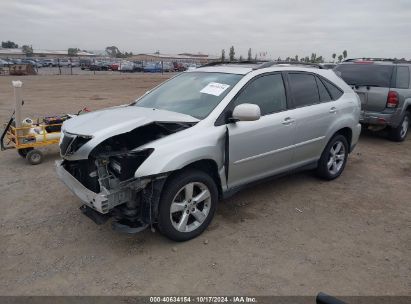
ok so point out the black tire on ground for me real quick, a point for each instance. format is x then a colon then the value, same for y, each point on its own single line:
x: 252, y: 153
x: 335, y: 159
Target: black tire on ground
x: 400, y: 133
x: 171, y: 188
x: 327, y: 157
x: 34, y: 157
x: 23, y: 152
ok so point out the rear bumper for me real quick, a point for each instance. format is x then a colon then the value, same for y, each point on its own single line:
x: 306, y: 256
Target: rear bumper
x: 392, y: 119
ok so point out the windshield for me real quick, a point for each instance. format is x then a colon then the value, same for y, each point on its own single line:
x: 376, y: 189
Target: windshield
x: 195, y: 94
x: 366, y: 74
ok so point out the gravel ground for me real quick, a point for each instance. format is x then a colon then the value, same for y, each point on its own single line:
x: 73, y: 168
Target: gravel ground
x: 292, y: 236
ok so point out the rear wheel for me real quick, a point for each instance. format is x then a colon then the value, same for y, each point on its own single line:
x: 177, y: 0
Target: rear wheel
x: 23, y: 152
x: 187, y: 205
x: 34, y: 157
x: 400, y: 133
x: 333, y: 158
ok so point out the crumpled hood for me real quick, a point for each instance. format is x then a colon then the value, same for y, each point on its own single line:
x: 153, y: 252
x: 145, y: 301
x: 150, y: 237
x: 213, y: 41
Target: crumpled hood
x: 103, y: 124
x: 117, y: 120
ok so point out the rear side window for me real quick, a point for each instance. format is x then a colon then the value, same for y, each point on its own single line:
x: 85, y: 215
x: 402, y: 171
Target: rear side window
x: 334, y: 91
x: 403, y: 77
x: 267, y: 92
x: 366, y: 74
x: 304, y: 89
x: 324, y: 95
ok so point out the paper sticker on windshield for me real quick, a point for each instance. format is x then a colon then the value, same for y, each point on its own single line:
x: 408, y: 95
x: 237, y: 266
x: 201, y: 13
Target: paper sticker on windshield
x: 215, y: 88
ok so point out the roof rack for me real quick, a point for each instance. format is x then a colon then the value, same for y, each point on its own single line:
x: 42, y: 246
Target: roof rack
x: 271, y: 63
x: 233, y: 62
x: 261, y: 64
x: 393, y: 60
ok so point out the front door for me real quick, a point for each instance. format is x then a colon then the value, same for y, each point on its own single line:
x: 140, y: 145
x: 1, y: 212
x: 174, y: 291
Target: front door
x: 264, y: 147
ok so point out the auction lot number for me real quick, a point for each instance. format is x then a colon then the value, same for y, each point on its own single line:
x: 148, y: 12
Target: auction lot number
x: 202, y: 299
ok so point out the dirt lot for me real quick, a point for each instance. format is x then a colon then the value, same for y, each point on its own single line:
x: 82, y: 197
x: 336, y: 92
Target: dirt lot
x: 295, y: 235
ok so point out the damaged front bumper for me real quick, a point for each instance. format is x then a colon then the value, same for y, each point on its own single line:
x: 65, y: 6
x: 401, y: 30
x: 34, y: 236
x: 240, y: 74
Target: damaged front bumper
x: 104, y: 201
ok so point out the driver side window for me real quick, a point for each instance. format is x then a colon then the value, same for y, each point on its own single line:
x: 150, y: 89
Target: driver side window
x: 267, y: 92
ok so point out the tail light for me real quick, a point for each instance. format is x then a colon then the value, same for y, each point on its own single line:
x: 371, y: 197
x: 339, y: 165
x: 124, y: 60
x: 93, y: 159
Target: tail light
x: 392, y: 99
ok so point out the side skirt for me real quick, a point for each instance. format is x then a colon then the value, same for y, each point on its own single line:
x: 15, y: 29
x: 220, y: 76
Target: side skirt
x: 231, y: 191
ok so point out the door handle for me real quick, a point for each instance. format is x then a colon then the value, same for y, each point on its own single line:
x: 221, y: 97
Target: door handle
x: 333, y: 110
x: 288, y: 121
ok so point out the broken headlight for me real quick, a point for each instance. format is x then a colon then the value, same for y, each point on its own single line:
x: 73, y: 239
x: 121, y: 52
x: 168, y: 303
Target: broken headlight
x: 125, y: 165
x: 70, y: 143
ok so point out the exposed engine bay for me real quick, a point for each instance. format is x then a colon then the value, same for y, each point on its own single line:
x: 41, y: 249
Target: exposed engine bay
x: 108, y: 175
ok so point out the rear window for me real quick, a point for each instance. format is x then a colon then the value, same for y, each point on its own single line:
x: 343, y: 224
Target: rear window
x: 366, y: 74
x: 304, y: 88
x: 324, y: 95
x: 334, y: 91
x: 403, y: 77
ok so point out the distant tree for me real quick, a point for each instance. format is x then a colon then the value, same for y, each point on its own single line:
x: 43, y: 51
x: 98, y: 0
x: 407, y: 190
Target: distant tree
x: 255, y: 57
x: 232, y: 53
x: 222, y: 55
x: 279, y: 59
x: 28, y: 50
x: 313, y: 57
x: 72, y: 52
x: 249, y: 57
x: 345, y: 54
x: 334, y: 55
x: 307, y: 59
x: 241, y: 58
x: 9, y: 45
x: 340, y: 58
x: 296, y: 57
x: 113, y: 51
x: 320, y: 59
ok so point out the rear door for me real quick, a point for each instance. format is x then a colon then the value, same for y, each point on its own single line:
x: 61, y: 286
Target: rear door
x: 314, y: 111
x: 371, y: 81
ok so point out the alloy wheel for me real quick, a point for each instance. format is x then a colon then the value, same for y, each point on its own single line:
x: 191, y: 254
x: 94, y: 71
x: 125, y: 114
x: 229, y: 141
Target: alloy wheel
x: 190, y: 207
x: 336, y: 158
x: 404, y: 127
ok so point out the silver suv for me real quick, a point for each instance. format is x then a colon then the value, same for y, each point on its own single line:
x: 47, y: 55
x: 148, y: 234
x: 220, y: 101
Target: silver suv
x: 167, y: 158
x: 383, y: 86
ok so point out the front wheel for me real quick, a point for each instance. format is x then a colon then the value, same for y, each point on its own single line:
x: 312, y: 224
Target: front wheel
x: 187, y: 205
x: 333, y: 158
x: 400, y: 133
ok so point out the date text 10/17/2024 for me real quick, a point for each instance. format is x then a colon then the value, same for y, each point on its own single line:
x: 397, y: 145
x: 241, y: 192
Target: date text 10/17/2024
x: 203, y: 299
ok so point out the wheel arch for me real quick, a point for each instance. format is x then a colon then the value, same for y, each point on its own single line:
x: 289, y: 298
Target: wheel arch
x: 347, y: 133
x: 208, y: 166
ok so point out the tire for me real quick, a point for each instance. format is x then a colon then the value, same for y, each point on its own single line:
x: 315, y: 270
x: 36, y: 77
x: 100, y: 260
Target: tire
x: 34, y: 157
x: 23, y: 152
x: 400, y: 133
x: 332, y: 164
x: 191, y: 216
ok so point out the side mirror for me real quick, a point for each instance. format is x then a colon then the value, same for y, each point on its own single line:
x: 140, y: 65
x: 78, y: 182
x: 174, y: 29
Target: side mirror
x: 246, y: 112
